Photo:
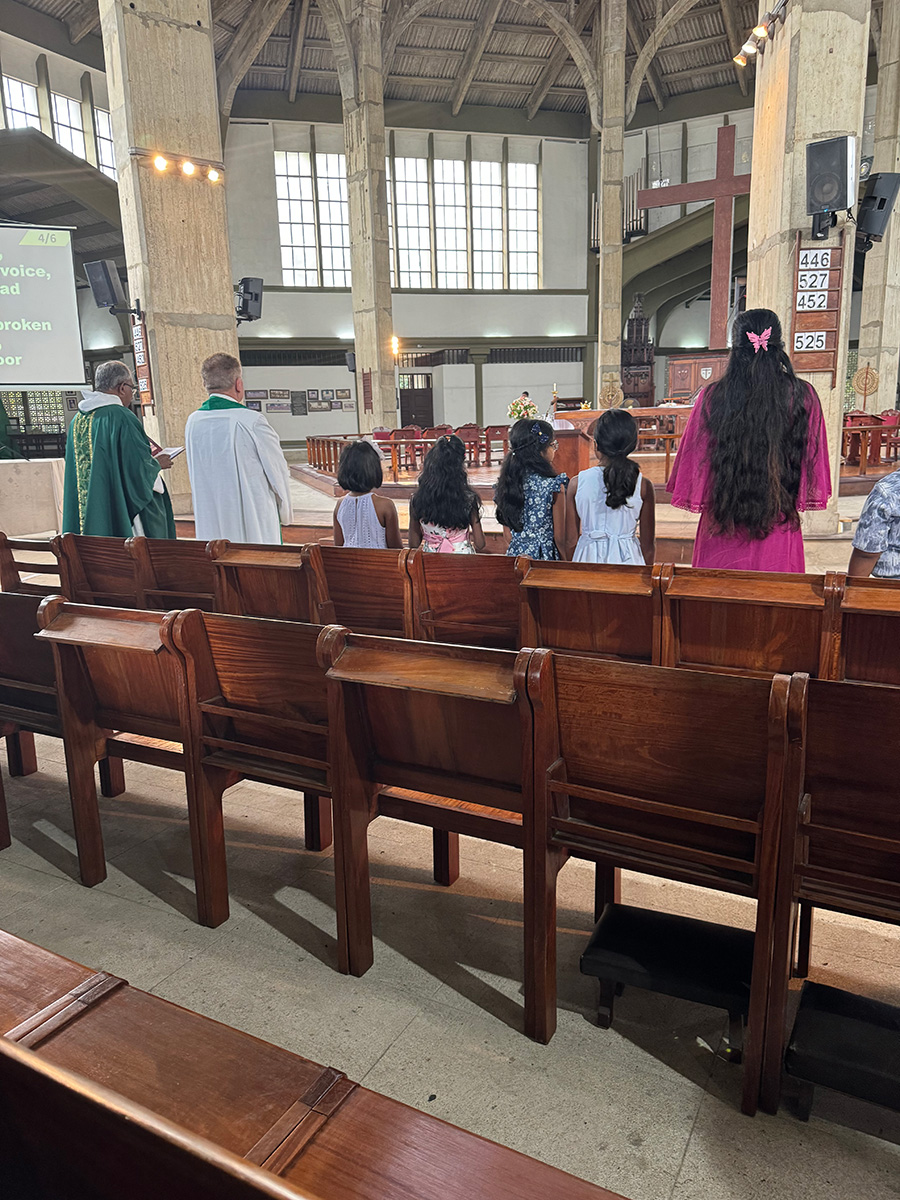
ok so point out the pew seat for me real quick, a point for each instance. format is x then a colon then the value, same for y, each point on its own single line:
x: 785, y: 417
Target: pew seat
x: 848, y: 1043
x: 310, y: 1127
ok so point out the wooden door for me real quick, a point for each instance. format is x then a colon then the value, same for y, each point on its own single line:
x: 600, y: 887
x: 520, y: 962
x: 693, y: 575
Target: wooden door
x: 416, y: 400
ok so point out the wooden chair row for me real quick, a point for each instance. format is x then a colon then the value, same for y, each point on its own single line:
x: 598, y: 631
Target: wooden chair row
x: 235, y: 1119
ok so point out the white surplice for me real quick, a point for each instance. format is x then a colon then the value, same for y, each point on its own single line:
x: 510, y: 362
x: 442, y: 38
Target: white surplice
x: 239, y: 478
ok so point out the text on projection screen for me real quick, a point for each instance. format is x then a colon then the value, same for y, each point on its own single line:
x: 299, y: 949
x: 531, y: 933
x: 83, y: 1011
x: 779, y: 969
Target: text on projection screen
x: 40, y: 338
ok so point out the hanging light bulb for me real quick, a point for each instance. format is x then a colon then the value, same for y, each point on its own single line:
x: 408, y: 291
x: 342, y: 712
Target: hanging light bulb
x: 761, y: 31
x: 740, y: 58
x: 395, y: 345
x: 160, y: 163
x: 188, y: 167
x: 212, y: 175
x: 749, y: 47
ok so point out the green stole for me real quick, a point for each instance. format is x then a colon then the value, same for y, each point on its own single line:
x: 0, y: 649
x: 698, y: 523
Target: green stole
x: 213, y: 402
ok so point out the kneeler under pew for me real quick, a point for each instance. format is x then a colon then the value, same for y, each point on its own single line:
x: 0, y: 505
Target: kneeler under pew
x: 110, y: 1093
x: 670, y: 773
x: 28, y: 698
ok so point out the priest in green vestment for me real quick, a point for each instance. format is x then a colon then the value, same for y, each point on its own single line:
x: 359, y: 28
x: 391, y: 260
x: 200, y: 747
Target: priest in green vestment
x: 113, y: 486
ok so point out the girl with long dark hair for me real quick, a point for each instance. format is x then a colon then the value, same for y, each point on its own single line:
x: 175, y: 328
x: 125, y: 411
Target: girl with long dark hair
x: 611, y: 507
x: 444, y: 512
x: 754, y: 456
x: 530, y: 496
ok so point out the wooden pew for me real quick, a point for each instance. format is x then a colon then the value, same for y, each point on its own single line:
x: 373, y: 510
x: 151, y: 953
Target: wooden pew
x: 261, y: 581
x: 432, y: 734
x: 232, y: 1119
x: 840, y: 845
x: 172, y: 573
x: 28, y: 702
x: 97, y: 570
x: 366, y: 590
x: 867, y: 631
x: 465, y: 599
x: 752, y: 622
x: 605, y: 610
x: 122, y: 694
x: 630, y: 770
x: 14, y: 563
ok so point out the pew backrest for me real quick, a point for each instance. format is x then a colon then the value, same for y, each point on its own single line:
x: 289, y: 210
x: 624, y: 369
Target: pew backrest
x: 27, y: 678
x: 748, y: 622
x: 97, y: 570
x: 600, y: 609
x: 867, y: 631
x: 172, y: 573
x: 465, y: 599
x: 20, y: 557
x: 367, y: 590
x: 261, y: 581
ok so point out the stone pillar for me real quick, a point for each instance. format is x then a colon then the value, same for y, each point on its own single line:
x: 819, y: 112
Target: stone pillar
x: 879, y: 330
x: 356, y: 41
x: 161, y: 75
x: 612, y: 165
x: 810, y: 85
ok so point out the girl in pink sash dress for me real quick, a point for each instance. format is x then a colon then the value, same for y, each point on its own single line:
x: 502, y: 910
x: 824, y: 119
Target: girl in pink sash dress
x: 445, y: 512
x: 754, y: 455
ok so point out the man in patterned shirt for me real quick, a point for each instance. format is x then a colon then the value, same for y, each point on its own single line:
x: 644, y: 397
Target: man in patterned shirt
x: 876, y: 546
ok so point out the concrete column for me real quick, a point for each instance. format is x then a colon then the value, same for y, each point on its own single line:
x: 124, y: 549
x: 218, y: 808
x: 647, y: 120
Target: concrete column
x: 612, y: 164
x: 810, y: 85
x: 479, y: 360
x: 161, y: 76
x: 364, y: 141
x: 879, y: 331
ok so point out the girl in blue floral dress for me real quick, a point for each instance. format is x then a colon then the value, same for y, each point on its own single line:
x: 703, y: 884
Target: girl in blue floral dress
x: 530, y: 496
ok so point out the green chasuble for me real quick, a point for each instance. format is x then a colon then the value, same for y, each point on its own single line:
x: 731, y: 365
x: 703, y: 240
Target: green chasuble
x: 110, y: 474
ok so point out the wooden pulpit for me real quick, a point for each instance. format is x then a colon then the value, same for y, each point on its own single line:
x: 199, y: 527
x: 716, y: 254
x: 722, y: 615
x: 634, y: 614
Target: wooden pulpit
x: 576, y: 451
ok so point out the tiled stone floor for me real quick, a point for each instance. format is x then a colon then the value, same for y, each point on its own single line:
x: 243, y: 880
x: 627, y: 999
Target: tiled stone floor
x: 647, y: 1109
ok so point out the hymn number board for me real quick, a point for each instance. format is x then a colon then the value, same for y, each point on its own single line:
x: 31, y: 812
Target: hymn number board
x: 818, y: 280
x: 144, y: 395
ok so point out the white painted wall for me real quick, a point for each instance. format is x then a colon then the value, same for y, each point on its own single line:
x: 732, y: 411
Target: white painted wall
x: 251, y: 201
x: 293, y: 429
x: 503, y: 382
x: 564, y: 214
x: 18, y: 60
x: 686, y: 328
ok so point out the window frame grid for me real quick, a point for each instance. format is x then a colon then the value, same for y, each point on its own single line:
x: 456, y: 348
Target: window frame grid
x: 328, y: 179
x: 33, y: 120
x: 57, y: 101
x: 100, y: 139
x: 456, y: 227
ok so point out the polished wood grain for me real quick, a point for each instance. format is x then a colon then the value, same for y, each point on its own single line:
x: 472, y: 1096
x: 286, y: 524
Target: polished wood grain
x: 97, y: 570
x: 601, y: 609
x: 366, y: 590
x: 466, y: 599
x: 659, y: 788
x: 172, y: 574
x: 14, y: 563
x: 261, y: 581
x: 449, y: 722
x: 840, y: 844
x: 867, y: 631
x: 141, y: 1098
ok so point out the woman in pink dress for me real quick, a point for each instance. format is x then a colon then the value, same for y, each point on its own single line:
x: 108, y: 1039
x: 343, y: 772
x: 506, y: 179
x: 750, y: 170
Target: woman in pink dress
x: 754, y: 456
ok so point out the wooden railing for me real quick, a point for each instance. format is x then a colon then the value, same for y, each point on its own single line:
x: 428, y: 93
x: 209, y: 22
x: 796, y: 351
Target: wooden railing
x: 403, y: 453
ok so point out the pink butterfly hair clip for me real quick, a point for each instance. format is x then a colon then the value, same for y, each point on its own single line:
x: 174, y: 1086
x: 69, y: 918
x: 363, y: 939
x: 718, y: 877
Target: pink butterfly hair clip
x: 760, y: 341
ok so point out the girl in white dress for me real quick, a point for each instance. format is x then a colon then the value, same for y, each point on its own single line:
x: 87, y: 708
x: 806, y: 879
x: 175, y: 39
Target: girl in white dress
x: 611, y: 507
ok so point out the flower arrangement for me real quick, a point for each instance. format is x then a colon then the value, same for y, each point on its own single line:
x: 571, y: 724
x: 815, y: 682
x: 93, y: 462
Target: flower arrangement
x: 522, y: 408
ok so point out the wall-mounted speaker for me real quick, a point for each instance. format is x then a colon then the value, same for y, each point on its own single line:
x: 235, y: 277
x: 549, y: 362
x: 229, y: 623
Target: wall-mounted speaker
x: 106, y: 286
x: 248, y: 298
x: 831, y: 175
x: 875, y: 207
x: 351, y: 361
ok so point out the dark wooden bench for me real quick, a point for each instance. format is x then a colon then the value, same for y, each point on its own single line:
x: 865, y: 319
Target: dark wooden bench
x: 16, y: 563
x: 840, y: 845
x: 606, y: 610
x: 262, y: 581
x: 671, y: 773
x: 433, y: 734
x: 466, y: 599
x: 366, y: 590
x: 867, y: 631
x: 172, y: 573
x: 232, y: 1119
x: 97, y: 570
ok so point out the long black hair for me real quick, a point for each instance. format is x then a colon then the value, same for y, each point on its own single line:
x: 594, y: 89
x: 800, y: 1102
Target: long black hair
x: 444, y: 495
x: 758, y: 422
x: 616, y: 436
x: 528, y: 439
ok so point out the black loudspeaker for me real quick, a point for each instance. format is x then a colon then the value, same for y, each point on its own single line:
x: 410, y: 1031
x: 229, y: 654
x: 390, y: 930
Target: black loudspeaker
x: 106, y: 286
x: 248, y: 299
x: 875, y: 207
x: 351, y: 362
x: 831, y: 175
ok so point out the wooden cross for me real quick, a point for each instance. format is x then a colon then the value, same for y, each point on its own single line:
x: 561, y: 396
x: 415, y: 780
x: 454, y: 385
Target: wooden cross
x: 722, y: 190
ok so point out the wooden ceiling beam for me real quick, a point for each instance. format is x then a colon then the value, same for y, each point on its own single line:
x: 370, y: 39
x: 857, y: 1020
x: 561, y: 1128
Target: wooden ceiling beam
x: 250, y: 38
x: 558, y: 59
x: 735, y: 38
x: 637, y: 38
x: 476, y: 47
x: 299, y: 19
x: 82, y: 20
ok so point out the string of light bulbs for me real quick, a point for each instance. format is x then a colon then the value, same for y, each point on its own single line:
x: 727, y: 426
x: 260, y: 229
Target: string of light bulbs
x: 190, y: 168
x: 760, y: 34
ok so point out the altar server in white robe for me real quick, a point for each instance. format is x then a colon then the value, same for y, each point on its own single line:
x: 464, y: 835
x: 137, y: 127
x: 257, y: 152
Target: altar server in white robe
x: 239, y: 478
